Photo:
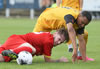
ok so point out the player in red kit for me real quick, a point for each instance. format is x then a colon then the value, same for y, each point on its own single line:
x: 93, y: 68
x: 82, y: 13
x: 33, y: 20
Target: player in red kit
x: 36, y: 43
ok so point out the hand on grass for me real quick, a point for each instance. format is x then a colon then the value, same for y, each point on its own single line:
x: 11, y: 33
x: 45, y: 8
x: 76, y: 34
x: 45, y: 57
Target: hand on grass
x: 74, y: 57
x: 63, y: 59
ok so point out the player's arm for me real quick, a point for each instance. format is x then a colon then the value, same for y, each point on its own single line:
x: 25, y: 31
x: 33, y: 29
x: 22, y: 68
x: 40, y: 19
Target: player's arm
x: 47, y: 54
x: 81, y: 4
x: 82, y: 43
x: 48, y: 59
x: 72, y: 34
x: 58, y: 2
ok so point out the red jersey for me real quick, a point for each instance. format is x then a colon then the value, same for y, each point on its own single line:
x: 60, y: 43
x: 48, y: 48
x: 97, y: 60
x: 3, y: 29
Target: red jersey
x: 42, y: 42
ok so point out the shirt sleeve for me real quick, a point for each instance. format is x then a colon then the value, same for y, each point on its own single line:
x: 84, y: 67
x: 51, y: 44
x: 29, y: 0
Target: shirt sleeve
x: 69, y: 19
x: 80, y: 31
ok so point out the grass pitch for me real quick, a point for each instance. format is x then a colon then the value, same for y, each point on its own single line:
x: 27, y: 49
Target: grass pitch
x: 23, y: 25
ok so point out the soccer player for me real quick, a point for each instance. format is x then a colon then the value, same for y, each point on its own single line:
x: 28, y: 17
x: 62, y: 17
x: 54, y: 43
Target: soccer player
x: 73, y: 20
x: 36, y: 43
x: 76, y: 4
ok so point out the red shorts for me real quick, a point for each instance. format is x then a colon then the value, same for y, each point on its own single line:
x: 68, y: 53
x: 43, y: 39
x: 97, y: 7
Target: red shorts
x: 12, y: 42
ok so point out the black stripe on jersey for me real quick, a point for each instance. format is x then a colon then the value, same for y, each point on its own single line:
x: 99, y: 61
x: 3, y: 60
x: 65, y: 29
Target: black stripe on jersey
x: 80, y: 31
x: 69, y: 19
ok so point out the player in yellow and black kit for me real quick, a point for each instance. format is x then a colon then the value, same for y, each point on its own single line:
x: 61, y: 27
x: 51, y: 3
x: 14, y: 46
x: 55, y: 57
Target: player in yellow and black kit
x: 75, y: 4
x: 71, y: 19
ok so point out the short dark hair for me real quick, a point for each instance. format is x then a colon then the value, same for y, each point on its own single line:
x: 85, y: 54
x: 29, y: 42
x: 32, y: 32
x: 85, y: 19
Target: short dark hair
x: 64, y: 32
x: 87, y: 15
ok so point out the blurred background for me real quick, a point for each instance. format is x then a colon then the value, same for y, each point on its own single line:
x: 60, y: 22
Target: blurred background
x: 33, y: 8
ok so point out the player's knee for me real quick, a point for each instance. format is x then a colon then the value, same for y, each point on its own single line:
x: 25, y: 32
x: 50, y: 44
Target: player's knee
x: 30, y: 49
x: 29, y: 46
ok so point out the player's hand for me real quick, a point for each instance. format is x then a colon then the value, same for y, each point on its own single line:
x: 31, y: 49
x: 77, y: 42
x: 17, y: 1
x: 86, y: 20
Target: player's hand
x: 63, y: 59
x: 74, y: 56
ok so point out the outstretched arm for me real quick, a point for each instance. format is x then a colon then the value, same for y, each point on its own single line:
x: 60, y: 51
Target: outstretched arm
x: 72, y: 35
x: 82, y: 45
x: 62, y: 59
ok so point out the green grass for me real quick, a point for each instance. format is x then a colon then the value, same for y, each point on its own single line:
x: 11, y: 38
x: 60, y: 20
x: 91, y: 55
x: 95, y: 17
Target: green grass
x: 23, y: 25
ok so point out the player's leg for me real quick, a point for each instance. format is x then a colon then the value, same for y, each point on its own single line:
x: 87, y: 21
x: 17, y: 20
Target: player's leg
x: 25, y: 47
x: 3, y: 58
x: 12, y: 53
x: 11, y: 45
x: 70, y: 46
x: 12, y: 42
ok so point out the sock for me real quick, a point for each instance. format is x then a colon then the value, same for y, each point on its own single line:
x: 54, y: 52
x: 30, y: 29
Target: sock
x: 78, y: 51
x: 70, y: 46
x: 17, y: 50
x: 7, y: 59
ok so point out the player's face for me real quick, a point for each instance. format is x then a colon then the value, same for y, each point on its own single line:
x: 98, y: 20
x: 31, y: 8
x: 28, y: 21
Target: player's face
x: 82, y: 21
x: 58, y: 39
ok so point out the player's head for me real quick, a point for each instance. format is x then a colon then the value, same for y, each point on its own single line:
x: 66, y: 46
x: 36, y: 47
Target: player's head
x: 60, y: 36
x: 83, y: 19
